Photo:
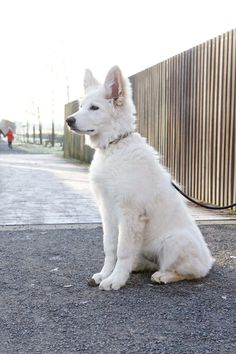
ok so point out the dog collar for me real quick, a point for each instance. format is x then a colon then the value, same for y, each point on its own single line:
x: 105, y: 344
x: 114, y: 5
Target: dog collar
x: 120, y: 137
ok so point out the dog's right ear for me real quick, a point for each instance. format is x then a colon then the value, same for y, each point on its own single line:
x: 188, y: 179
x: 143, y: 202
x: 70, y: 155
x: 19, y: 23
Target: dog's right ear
x: 115, y: 86
x: 89, y: 81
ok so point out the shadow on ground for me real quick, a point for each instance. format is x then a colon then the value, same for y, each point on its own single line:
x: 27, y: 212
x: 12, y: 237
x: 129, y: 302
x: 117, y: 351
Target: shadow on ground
x: 47, y: 307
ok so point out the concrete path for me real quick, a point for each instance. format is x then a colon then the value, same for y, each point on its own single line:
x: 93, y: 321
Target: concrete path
x: 47, y: 189
x: 44, y: 189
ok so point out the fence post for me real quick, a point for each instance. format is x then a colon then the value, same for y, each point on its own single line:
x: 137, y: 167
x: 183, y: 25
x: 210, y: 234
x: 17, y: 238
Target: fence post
x: 70, y: 108
x: 53, y: 133
x: 34, y: 134
x: 74, y: 144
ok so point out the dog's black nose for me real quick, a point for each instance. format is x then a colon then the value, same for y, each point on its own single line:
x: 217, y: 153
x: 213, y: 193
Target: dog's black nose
x: 70, y: 121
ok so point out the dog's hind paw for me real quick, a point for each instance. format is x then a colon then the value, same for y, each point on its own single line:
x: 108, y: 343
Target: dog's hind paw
x: 167, y: 277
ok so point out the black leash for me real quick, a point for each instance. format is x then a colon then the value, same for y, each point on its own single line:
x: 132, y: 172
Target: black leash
x: 201, y: 204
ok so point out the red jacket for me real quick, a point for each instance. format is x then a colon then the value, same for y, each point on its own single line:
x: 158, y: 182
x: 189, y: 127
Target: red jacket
x: 10, y: 136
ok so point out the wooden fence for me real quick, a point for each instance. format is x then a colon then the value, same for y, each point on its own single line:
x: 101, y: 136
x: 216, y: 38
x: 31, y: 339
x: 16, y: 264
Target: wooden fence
x: 186, y: 108
x: 74, y: 145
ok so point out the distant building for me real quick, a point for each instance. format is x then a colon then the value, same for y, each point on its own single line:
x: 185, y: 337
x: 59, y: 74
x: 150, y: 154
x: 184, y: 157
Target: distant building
x: 5, y: 124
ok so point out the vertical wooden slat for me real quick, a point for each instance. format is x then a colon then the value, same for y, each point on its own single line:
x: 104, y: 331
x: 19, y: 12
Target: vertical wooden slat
x: 224, y: 147
x: 228, y: 152
x: 233, y: 120
x: 196, y: 130
x: 201, y: 155
x: 211, y: 123
x: 204, y: 128
x: 204, y: 120
x: 191, y: 125
x: 187, y: 120
x: 219, y: 122
x: 208, y: 117
x: 215, y: 124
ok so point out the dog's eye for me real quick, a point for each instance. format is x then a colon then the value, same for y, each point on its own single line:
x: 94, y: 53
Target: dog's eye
x: 94, y: 108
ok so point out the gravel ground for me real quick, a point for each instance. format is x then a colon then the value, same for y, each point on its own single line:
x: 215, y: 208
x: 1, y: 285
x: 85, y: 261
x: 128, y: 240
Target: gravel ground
x: 47, y: 307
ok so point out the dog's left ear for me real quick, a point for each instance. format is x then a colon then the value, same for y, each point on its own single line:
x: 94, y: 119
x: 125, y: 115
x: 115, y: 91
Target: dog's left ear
x: 115, y: 85
x: 89, y: 81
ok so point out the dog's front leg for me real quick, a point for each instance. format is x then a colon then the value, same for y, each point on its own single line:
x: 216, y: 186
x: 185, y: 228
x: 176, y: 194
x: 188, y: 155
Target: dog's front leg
x: 129, y: 244
x: 110, y: 240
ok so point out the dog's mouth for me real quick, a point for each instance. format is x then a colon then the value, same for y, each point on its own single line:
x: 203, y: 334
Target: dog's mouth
x: 78, y: 131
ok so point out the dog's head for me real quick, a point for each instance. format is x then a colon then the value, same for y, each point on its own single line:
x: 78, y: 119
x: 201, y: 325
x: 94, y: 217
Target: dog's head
x: 107, y: 111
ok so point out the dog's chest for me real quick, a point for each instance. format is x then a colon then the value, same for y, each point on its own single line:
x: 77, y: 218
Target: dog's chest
x: 102, y: 171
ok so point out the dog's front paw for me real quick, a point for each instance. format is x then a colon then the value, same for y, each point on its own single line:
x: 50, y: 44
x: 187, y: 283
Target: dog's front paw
x: 113, y: 283
x: 110, y: 284
x: 98, y: 278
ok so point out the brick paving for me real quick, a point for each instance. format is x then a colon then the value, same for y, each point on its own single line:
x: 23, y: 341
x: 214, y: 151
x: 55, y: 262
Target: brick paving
x: 38, y: 189
x: 44, y: 189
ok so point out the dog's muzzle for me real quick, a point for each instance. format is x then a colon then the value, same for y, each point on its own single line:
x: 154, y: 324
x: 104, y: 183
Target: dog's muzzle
x: 70, y: 121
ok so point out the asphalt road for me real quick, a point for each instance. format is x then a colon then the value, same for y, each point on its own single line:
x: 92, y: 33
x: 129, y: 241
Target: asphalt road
x: 47, y: 307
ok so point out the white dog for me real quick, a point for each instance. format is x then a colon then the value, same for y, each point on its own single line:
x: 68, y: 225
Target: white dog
x: 146, y: 224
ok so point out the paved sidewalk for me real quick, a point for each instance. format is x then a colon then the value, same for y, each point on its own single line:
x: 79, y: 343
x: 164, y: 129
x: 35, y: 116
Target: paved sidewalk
x: 48, y: 189
x: 44, y: 189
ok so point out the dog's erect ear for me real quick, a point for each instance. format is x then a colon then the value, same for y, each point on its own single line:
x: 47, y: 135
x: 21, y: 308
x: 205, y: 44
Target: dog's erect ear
x: 89, y: 81
x: 115, y: 85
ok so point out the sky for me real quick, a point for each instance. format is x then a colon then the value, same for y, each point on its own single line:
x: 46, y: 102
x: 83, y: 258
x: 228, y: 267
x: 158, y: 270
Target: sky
x: 47, y: 44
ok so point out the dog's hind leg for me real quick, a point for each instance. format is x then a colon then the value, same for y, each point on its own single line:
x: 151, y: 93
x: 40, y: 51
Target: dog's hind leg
x: 182, y: 256
x: 143, y: 264
x: 129, y: 243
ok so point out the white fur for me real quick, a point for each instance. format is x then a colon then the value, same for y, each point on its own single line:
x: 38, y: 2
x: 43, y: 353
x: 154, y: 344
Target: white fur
x: 146, y: 224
